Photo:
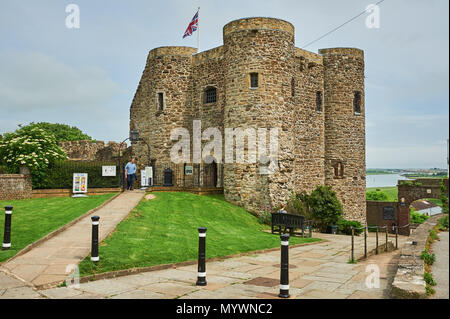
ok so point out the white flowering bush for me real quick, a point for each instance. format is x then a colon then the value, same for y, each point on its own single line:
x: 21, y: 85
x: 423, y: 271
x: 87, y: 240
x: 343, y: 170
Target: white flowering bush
x: 32, y: 148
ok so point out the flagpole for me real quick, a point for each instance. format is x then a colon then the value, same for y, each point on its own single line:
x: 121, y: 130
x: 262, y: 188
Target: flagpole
x: 198, y: 30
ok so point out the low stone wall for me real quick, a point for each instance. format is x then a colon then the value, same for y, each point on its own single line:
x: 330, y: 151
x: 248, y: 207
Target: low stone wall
x: 15, y: 186
x: 92, y: 150
x: 47, y: 193
x: 408, y: 282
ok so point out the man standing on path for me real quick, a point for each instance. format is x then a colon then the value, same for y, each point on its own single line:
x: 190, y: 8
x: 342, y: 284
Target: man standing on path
x: 130, y: 173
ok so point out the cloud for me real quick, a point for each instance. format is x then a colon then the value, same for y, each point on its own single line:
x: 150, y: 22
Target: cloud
x: 34, y: 80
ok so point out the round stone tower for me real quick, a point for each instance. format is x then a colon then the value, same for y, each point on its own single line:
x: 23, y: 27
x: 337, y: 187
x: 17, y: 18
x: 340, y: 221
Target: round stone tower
x: 345, y: 146
x: 160, y: 103
x: 259, y: 67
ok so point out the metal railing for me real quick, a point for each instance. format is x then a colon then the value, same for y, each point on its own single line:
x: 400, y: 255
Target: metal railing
x: 377, y: 229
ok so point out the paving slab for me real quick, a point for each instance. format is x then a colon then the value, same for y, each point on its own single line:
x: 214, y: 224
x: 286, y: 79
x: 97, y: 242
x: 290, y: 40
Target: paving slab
x: 71, y: 245
x: 318, y: 271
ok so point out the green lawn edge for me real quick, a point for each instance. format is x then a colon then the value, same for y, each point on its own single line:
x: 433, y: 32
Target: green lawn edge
x: 164, y: 231
x: 32, y: 219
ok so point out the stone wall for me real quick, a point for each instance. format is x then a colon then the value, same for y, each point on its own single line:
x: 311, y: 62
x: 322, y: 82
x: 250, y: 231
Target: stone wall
x: 310, y: 140
x: 408, y: 281
x: 15, y: 186
x: 88, y: 150
x: 410, y: 191
x: 345, y: 139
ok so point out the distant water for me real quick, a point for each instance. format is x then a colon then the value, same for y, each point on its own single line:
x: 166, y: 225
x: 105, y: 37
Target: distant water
x: 387, y: 180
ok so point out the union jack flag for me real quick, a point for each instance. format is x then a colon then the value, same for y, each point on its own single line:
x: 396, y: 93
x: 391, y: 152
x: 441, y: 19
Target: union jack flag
x: 192, y: 26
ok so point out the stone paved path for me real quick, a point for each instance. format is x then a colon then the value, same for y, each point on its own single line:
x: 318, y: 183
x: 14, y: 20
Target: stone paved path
x: 48, y: 262
x: 440, y: 268
x: 317, y: 271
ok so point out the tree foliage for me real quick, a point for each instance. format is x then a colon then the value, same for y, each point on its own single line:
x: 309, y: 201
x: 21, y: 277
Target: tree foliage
x: 33, y: 148
x: 61, y: 132
x: 375, y: 195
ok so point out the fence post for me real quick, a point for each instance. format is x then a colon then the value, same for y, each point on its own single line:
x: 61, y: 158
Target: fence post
x: 376, y: 248
x: 365, y: 242
x: 201, y: 275
x: 310, y: 228
x: 353, y: 244
x: 387, y: 235
x: 284, y: 265
x: 396, y: 237
x: 94, y: 248
x: 7, y: 232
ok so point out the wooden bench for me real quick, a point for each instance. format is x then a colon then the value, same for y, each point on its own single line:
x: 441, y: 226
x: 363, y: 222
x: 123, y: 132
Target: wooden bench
x: 290, y: 223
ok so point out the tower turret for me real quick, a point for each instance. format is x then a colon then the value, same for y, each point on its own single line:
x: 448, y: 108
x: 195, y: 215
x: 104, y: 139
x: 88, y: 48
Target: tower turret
x: 259, y: 66
x: 345, y: 143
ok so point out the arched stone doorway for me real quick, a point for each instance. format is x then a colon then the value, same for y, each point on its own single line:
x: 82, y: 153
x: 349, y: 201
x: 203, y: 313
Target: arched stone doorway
x: 410, y: 191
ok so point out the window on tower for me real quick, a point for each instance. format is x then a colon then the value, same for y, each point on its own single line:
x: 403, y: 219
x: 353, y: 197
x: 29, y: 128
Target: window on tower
x: 319, y: 101
x: 254, y: 80
x: 293, y: 87
x: 160, y: 101
x: 357, y: 102
x: 210, y: 95
x: 338, y: 169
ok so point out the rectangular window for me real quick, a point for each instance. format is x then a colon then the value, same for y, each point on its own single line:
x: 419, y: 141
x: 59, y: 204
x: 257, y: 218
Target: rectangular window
x: 253, y: 80
x: 160, y: 101
x: 319, y: 101
x: 211, y: 95
x: 357, y: 102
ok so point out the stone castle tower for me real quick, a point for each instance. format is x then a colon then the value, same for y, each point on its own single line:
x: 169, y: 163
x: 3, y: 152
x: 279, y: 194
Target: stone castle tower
x: 259, y: 79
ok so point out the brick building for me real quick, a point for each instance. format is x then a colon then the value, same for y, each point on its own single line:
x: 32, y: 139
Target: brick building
x: 259, y: 79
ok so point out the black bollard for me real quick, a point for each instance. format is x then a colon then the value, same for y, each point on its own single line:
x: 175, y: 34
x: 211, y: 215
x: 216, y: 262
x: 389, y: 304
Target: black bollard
x: 201, y: 275
x: 284, y: 273
x: 94, y: 248
x: 7, y: 232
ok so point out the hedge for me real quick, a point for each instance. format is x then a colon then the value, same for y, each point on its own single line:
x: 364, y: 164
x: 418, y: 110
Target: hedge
x: 60, y: 175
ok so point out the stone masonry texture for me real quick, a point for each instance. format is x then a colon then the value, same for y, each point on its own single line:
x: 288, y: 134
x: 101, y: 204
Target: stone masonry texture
x: 15, y: 186
x: 316, y: 146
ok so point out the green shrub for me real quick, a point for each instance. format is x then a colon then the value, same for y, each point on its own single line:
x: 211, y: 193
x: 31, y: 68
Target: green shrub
x: 433, y: 235
x: 345, y: 227
x: 429, y: 290
x: 429, y: 279
x: 33, y: 148
x: 60, y: 175
x: 428, y: 258
x: 417, y: 218
x: 443, y: 223
x: 298, y: 205
x: 265, y: 217
x: 376, y: 195
x: 444, y: 198
x: 325, y: 207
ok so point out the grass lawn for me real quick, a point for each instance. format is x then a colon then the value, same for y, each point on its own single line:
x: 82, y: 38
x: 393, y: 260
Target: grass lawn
x: 391, y: 192
x: 34, y: 218
x: 164, y: 230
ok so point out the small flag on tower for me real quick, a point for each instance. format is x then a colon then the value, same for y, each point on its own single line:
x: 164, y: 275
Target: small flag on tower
x: 192, y: 26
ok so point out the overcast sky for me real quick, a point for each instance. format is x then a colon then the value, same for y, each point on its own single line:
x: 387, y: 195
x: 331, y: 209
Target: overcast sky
x: 87, y: 77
